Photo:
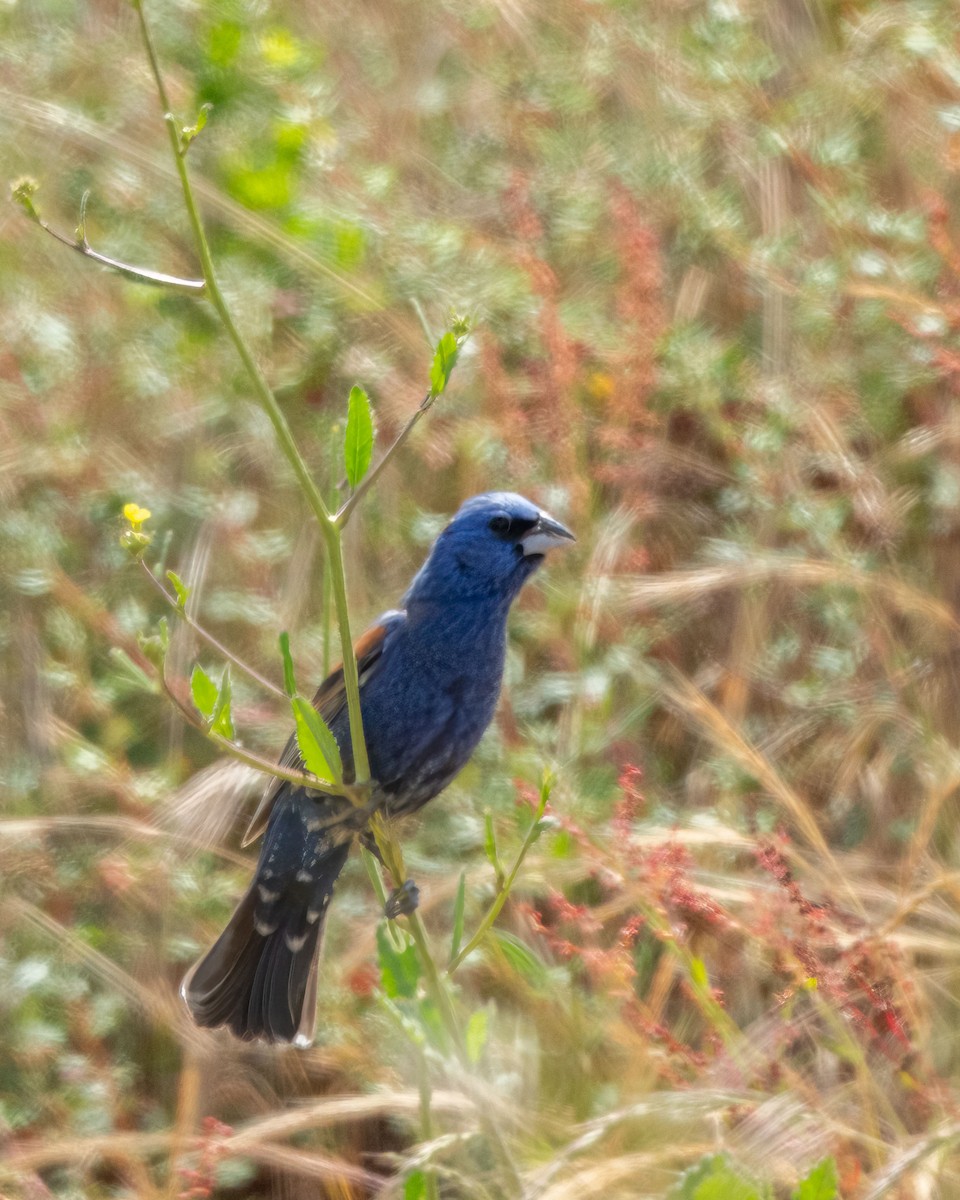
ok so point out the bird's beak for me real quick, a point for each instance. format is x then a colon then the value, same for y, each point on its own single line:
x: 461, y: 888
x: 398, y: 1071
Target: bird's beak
x: 546, y: 534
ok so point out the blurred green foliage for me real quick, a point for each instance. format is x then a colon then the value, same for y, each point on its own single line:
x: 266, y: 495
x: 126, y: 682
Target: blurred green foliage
x: 711, y: 258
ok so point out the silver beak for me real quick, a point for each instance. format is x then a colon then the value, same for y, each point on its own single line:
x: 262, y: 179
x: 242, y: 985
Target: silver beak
x: 546, y: 534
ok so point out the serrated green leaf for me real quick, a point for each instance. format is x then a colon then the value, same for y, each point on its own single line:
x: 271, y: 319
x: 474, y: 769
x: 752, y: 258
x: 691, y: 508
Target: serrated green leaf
x: 289, y: 681
x: 458, y: 908
x: 820, y: 1184
x: 444, y: 360
x: 318, y: 746
x: 358, y: 442
x: 204, y: 691
x: 475, y: 1035
x: 180, y: 588
x: 221, y: 720
x: 399, y: 969
x: 415, y: 1186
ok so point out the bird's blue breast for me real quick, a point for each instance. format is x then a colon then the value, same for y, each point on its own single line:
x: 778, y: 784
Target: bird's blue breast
x: 429, y: 699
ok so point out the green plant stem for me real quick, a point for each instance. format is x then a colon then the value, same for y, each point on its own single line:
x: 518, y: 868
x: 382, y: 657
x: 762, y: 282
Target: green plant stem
x: 503, y: 892
x: 329, y: 527
x: 266, y: 765
x: 439, y: 992
x: 426, y: 1120
x: 351, y: 679
x: 208, y: 637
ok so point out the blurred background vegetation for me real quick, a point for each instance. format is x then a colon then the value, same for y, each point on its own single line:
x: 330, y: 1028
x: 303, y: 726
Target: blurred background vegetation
x: 711, y: 255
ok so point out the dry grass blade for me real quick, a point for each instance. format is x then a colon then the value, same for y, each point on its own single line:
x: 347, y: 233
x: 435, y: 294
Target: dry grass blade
x: 665, y: 1106
x: 911, y: 1159
x: 310, y: 1165
x: 687, y: 699
x: 117, y: 1147
x: 674, y: 587
x: 18, y: 829
x: 343, y: 1110
x: 617, y: 1175
x: 126, y: 1148
x: 207, y: 807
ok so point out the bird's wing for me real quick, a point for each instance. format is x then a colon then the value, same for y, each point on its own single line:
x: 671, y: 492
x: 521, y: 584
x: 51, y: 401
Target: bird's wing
x: 330, y: 700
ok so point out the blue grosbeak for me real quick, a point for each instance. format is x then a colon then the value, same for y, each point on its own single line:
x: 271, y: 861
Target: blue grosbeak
x: 430, y: 675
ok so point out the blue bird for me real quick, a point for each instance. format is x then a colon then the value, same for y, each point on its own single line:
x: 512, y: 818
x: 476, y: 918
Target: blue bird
x: 430, y: 676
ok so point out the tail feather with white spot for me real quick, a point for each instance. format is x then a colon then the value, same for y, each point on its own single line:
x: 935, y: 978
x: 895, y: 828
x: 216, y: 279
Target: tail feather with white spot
x: 260, y: 976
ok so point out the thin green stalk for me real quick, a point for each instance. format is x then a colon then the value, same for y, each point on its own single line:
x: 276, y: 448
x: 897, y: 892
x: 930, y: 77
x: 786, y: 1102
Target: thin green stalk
x: 266, y: 765
x: 268, y: 402
x: 426, y: 1122
x: 503, y: 891
x: 338, y: 583
x: 208, y: 637
x: 439, y: 992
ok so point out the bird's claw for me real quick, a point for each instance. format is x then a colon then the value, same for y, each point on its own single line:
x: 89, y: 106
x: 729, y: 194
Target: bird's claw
x: 402, y: 901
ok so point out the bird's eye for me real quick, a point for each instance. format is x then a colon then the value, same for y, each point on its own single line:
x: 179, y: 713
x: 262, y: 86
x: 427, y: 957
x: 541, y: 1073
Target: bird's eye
x: 500, y: 524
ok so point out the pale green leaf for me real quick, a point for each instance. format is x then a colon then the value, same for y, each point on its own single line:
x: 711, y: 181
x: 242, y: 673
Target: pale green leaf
x: 204, y: 691
x: 318, y: 746
x: 358, y: 442
x: 475, y: 1036
x: 820, y: 1184
x: 180, y: 588
x: 289, y: 681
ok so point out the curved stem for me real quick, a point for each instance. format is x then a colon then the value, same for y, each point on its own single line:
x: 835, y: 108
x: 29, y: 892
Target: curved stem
x: 266, y: 765
x: 503, y: 891
x: 208, y: 637
x: 329, y: 527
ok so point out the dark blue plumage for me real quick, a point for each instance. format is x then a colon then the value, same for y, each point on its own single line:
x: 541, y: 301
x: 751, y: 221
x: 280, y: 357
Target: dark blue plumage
x: 430, y: 675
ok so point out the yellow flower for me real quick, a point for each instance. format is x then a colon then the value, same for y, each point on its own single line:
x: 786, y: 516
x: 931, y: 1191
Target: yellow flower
x: 136, y: 515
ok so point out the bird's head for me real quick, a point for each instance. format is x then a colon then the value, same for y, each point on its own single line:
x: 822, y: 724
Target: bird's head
x: 491, y: 547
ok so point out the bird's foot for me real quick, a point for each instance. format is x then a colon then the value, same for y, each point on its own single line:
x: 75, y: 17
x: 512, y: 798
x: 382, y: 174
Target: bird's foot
x: 402, y: 901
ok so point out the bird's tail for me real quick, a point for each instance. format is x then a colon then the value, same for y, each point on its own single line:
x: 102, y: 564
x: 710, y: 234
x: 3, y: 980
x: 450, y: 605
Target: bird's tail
x: 260, y: 976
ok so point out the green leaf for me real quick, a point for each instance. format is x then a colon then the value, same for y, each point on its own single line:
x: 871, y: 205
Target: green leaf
x: 698, y: 973
x: 714, y: 1178
x: 318, y: 746
x: 129, y: 673
x: 521, y: 958
x: 415, y: 1186
x: 204, y: 691
x: 358, y: 443
x: 189, y: 132
x: 444, y: 360
x: 820, y: 1184
x: 458, y: 907
x: 399, y: 969
x: 180, y: 588
x: 22, y: 192
x: 222, y: 721
x: 155, y: 646
x: 475, y: 1036
x: 289, y: 682
x: 490, y: 847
